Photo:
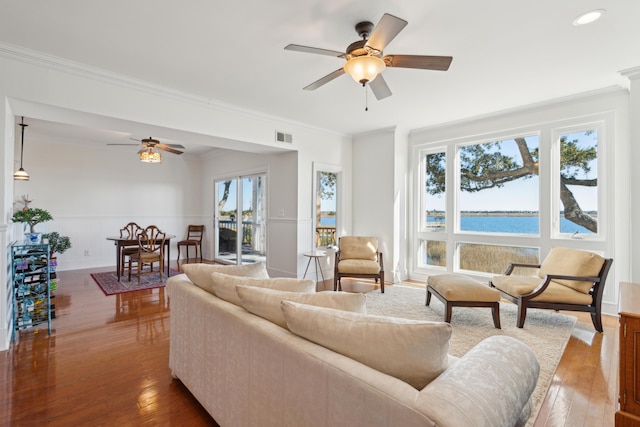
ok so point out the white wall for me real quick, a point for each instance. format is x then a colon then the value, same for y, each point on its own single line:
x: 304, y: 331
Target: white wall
x: 93, y: 191
x: 50, y: 89
x: 612, y: 103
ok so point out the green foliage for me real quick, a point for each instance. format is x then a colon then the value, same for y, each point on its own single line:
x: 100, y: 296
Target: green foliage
x: 32, y: 216
x: 328, y: 182
x: 57, y: 243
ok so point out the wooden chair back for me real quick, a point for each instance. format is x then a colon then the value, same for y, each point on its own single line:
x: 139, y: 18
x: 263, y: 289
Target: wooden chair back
x: 130, y: 230
x: 151, y: 239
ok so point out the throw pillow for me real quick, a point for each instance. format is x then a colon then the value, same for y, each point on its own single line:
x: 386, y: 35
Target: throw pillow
x: 224, y: 285
x: 265, y: 302
x: 410, y: 350
x: 200, y: 274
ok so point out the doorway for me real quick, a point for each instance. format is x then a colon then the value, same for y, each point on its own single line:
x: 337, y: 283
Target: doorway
x: 240, y: 219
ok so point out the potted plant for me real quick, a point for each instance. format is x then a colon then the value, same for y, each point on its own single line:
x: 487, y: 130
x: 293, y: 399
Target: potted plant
x: 32, y: 216
x: 57, y: 244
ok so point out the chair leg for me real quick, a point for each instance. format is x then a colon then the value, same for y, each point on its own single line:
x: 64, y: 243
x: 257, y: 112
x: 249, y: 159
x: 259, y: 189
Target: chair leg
x: 428, y: 297
x: 522, y: 313
x: 178, y: 259
x: 596, y: 318
x: 382, y: 282
x: 495, y: 312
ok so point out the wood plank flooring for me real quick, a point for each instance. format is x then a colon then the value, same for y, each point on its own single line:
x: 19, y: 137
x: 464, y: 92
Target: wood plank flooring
x: 106, y: 363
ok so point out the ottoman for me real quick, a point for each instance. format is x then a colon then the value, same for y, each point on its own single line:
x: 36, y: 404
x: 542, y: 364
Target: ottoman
x: 458, y: 290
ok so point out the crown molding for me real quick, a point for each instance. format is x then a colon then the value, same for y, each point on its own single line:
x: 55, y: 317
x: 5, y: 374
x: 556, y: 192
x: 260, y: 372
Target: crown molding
x: 41, y: 59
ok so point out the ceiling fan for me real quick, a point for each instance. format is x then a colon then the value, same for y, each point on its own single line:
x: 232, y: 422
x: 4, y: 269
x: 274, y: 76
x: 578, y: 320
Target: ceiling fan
x: 147, y: 154
x: 365, y: 60
x: 150, y: 143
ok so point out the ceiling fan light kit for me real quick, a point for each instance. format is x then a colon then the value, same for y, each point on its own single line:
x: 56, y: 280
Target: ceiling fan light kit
x: 21, y: 174
x: 363, y: 69
x: 365, y: 61
x: 150, y: 156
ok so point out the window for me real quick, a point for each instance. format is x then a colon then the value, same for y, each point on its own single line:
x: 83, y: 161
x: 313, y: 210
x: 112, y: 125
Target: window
x: 435, y: 191
x: 578, y: 183
x: 326, y: 217
x: 483, y: 203
x: 498, y: 186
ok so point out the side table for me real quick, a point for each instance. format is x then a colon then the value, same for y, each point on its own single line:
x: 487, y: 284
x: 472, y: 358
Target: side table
x: 315, y: 255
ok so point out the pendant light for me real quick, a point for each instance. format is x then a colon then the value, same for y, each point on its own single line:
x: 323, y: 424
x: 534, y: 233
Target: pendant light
x: 21, y: 174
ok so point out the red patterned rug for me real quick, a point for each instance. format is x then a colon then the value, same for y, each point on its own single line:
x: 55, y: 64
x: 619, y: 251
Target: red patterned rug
x: 109, y: 284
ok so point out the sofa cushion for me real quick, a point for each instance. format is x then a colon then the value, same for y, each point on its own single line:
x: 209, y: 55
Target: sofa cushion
x: 572, y: 262
x: 200, y: 274
x: 265, y: 302
x: 359, y: 247
x: 224, y: 285
x: 410, y: 350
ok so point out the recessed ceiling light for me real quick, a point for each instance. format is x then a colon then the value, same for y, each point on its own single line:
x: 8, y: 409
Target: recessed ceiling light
x: 588, y: 17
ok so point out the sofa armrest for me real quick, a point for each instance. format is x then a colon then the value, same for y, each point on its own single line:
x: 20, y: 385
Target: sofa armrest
x: 491, y: 385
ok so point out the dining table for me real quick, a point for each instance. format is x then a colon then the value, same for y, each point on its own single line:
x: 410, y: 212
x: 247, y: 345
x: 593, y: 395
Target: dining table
x: 121, y: 242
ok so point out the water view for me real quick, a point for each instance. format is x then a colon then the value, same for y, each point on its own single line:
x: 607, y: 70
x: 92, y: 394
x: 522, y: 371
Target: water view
x: 507, y: 224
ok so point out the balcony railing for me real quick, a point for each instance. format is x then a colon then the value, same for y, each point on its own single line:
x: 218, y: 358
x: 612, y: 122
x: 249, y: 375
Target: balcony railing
x: 325, y: 235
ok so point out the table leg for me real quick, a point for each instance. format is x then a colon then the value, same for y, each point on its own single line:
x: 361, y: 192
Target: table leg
x: 319, y: 267
x: 118, y: 259
x: 306, y: 269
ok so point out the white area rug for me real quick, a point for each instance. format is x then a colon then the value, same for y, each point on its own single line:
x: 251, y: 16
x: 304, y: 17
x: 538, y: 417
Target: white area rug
x: 545, y: 332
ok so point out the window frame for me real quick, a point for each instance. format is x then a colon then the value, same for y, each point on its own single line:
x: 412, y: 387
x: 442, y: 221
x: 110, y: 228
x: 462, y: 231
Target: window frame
x: 548, y: 182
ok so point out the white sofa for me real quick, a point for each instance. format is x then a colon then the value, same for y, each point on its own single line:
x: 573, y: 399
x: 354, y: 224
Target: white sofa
x: 248, y: 371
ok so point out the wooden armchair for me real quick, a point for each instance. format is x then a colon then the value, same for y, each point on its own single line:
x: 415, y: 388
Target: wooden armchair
x: 358, y: 257
x: 568, y: 279
x: 150, y: 250
x: 194, y: 238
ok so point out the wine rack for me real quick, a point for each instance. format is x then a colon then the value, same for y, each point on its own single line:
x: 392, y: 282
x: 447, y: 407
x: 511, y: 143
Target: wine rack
x: 31, y: 286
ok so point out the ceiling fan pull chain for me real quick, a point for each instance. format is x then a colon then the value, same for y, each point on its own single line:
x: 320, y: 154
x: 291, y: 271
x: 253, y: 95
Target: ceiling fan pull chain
x: 366, y: 98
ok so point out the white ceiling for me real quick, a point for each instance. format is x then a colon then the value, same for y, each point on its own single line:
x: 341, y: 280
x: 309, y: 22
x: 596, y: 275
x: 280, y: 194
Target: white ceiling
x: 506, y: 53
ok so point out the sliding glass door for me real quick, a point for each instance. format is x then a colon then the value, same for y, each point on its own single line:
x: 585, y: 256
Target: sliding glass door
x: 241, y: 208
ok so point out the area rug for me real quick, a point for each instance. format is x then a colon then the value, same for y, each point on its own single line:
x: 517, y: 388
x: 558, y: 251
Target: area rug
x: 545, y: 332
x: 109, y: 284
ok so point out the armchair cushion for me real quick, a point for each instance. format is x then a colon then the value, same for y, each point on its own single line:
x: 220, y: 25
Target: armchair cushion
x: 359, y: 247
x: 556, y: 293
x: 572, y: 262
x: 411, y: 350
x: 265, y: 302
x: 358, y: 266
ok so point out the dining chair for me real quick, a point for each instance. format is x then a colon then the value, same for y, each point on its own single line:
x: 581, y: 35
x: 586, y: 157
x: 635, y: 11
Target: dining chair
x: 194, y: 238
x: 129, y: 231
x: 150, y: 250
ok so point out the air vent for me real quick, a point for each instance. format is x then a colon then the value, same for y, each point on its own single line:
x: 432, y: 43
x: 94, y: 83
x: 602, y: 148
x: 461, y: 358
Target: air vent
x: 284, y: 137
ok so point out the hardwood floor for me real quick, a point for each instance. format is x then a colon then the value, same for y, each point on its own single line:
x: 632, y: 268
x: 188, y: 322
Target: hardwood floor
x: 106, y: 363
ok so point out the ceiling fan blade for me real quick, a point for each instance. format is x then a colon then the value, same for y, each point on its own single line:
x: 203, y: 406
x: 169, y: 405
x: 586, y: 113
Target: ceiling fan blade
x: 316, y: 50
x: 386, y: 30
x: 165, y: 147
x: 379, y: 88
x: 180, y: 146
x: 324, y: 80
x: 439, y: 63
